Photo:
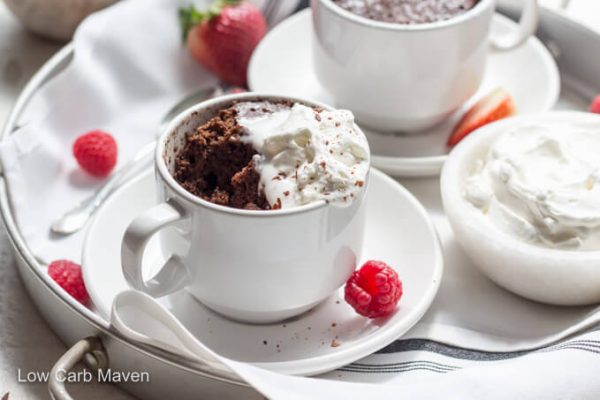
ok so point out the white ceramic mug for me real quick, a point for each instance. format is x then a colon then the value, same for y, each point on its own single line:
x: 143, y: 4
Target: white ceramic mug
x: 253, y: 266
x: 397, y: 77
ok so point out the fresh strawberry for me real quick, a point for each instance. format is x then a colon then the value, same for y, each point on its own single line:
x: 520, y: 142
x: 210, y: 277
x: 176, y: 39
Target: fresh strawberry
x: 224, y: 37
x: 496, y: 105
x: 595, y: 106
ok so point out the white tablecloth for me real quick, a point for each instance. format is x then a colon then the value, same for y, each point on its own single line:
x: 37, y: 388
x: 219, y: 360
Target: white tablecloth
x: 26, y: 342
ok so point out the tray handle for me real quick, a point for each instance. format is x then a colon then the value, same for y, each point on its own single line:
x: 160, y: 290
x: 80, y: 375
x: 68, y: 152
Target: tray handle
x: 90, y: 350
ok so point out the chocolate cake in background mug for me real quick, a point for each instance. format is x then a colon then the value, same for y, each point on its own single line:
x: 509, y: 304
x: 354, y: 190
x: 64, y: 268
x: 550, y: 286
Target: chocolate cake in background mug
x: 407, y: 11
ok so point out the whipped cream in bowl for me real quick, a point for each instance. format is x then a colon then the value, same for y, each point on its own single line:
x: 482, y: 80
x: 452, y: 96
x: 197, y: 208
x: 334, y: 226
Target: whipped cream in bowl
x: 523, y: 198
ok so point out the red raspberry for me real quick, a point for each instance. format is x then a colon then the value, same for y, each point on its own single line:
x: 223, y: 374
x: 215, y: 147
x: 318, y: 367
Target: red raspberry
x: 68, y: 276
x: 595, y: 106
x: 96, y: 153
x: 374, y: 290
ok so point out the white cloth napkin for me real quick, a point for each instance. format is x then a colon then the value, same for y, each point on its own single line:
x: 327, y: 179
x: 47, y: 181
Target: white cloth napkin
x: 563, y: 372
x: 417, y: 369
x: 129, y: 69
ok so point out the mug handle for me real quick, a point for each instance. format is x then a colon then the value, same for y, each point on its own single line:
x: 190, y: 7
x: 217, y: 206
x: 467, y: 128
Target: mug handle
x: 527, y: 25
x: 173, y: 275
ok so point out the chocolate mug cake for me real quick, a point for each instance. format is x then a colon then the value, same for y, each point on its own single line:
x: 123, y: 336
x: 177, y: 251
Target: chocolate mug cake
x: 266, y: 197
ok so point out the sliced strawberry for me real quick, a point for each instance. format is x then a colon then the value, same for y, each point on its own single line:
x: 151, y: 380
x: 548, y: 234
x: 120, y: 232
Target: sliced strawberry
x: 595, y: 106
x: 496, y: 105
x: 224, y: 37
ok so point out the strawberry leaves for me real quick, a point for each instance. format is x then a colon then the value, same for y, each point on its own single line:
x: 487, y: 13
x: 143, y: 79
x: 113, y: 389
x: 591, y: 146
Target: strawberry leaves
x: 191, y: 16
x: 188, y: 18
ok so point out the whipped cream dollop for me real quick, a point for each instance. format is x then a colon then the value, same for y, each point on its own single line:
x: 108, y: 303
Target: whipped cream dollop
x: 305, y: 155
x: 541, y: 183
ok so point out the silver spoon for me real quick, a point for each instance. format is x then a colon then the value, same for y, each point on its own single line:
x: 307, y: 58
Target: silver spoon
x: 76, y: 218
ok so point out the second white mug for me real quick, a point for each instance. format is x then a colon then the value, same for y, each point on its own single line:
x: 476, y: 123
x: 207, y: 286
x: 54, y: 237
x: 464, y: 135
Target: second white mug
x: 398, y: 77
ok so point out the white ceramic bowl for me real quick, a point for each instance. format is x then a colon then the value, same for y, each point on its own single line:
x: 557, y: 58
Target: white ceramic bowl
x: 561, y: 277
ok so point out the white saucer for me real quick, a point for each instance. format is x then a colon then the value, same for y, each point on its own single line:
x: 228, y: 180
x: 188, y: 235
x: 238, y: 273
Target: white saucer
x: 282, y: 64
x: 302, y: 346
